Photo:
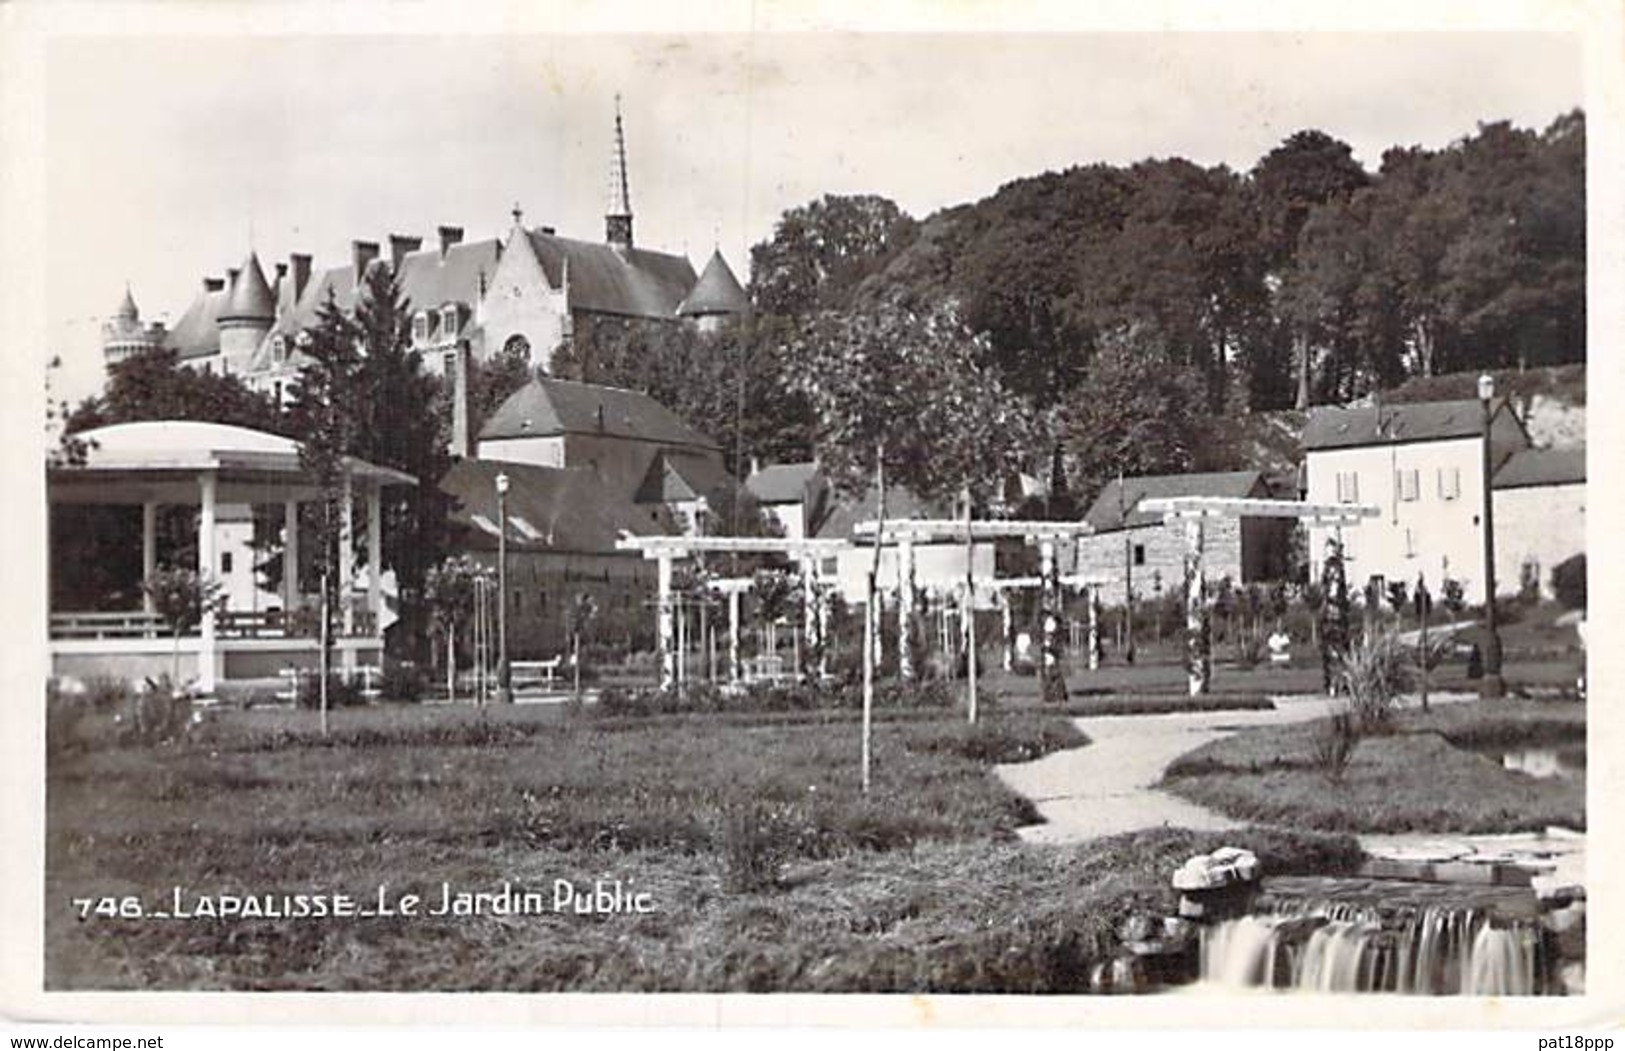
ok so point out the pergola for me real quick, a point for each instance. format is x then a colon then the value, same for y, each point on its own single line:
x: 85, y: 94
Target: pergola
x: 206, y: 465
x: 1195, y: 510
x: 905, y: 532
x: 665, y: 550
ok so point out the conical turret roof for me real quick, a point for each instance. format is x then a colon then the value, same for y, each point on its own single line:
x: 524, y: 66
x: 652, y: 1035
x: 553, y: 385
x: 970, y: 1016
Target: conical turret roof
x: 127, y: 310
x: 716, y: 292
x: 250, y: 295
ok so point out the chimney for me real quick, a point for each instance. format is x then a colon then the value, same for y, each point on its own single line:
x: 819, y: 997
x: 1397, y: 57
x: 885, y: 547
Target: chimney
x: 214, y: 284
x: 362, y: 253
x: 449, y: 235
x: 281, y: 271
x: 231, y: 276
x: 301, y: 274
x: 458, y: 380
x: 550, y: 230
x: 755, y: 465
x: 399, y: 245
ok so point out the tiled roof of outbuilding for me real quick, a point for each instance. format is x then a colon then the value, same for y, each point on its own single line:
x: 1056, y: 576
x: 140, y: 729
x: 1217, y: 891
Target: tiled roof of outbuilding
x: 1336, y: 428
x: 549, y: 508
x: 549, y: 406
x: 1107, y: 512
x: 1532, y: 467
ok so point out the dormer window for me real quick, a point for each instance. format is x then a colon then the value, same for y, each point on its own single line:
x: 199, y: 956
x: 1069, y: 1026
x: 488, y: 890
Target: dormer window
x: 448, y: 322
x: 420, y: 327
x: 279, y: 348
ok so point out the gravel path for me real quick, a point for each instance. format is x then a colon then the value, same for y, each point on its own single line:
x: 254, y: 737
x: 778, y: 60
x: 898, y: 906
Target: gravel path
x: 1105, y: 788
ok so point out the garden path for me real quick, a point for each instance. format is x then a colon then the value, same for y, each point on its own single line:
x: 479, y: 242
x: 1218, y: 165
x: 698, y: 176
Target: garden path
x: 1105, y: 787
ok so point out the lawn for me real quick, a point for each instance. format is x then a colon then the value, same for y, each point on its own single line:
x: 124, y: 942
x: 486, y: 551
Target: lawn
x: 1435, y: 771
x: 920, y: 886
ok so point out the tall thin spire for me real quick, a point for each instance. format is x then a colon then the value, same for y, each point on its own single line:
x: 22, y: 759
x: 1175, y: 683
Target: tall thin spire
x: 618, y: 217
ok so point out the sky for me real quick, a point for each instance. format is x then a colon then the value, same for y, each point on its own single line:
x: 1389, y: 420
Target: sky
x: 169, y: 157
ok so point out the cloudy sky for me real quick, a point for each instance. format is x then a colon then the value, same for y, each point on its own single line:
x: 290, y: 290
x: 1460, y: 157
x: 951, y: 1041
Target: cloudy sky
x: 168, y: 156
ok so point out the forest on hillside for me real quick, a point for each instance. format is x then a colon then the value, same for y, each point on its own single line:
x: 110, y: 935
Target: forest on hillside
x: 1117, y: 306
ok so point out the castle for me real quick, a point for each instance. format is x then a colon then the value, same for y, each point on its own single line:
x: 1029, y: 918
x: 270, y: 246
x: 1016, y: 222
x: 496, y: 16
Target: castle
x: 525, y: 291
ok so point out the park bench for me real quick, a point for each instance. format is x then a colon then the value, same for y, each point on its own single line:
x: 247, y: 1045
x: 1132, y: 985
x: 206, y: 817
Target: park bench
x: 544, y: 673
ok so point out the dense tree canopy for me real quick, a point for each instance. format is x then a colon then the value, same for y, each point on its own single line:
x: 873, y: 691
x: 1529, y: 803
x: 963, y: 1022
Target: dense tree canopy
x: 822, y: 251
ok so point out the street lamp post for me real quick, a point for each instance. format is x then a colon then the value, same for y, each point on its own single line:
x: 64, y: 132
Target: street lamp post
x: 504, y: 684
x: 1491, y: 685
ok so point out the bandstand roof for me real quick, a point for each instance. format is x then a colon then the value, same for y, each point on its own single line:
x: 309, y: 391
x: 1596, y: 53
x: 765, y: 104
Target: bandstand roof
x: 161, y: 460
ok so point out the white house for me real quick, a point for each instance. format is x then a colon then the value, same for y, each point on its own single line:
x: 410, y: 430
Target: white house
x: 1422, y: 463
x: 939, y: 567
x: 1540, y: 515
x: 795, y: 495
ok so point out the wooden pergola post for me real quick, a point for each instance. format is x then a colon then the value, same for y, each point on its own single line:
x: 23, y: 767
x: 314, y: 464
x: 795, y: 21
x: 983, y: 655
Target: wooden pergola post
x: 666, y: 628
x: 375, y: 561
x: 1094, y: 628
x: 905, y: 608
x: 1198, y: 659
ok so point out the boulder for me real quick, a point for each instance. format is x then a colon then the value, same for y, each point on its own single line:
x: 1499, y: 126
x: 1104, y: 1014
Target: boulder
x: 1225, y: 867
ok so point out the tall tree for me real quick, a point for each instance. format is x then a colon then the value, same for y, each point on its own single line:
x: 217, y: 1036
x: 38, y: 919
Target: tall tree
x: 822, y: 251
x: 1306, y: 171
x: 400, y: 427
x: 1137, y: 414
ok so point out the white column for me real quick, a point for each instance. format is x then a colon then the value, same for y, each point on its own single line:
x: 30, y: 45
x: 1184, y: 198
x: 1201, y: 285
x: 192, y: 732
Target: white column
x: 905, y: 607
x: 208, y: 569
x: 375, y: 559
x: 149, y: 548
x: 666, y: 628
x: 1053, y: 679
x: 347, y: 555
x: 290, y: 559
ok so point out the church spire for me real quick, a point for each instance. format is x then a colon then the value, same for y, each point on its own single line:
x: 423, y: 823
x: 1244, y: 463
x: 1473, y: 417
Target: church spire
x: 618, y: 217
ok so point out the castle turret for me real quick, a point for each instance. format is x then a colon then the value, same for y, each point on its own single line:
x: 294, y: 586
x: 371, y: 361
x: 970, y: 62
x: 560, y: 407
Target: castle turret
x: 123, y: 334
x: 715, y: 296
x: 247, y: 316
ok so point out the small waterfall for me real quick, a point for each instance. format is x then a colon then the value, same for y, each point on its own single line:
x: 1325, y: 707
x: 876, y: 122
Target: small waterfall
x: 1339, y: 947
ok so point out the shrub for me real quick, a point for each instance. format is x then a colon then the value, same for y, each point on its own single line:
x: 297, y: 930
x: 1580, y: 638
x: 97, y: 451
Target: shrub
x: 1569, y: 582
x: 402, y: 681
x: 1373, y: 674
x: 340, y: 694
x: 1249, y: 652
x: 755, y: 838
x: 1335, y: 741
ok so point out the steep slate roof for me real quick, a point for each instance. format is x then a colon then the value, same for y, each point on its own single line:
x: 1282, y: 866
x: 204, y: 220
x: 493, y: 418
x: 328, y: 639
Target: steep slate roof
x: 546, y: 407
x: 1532, y: 467
x: 784, y: 483
x: 900, y: 503
x: 250, y: 295
x: 632, y: 283
x: 679, y: 477
x: 718, y: 291
x: 1104, y: 514
x: 197, y: 333
x: 430, y: 282
x: 1340, y: 428
x: 549, y: 508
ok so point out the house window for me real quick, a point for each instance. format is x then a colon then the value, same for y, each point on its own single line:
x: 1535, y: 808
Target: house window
x: 420, y: 327
x: 450, y: 365
x: 518, y: 602
x: 1348, y: 487
x: 1139, y: 554
x: 1408, y: 485
x: 225, y: 561
x: 1449, y: 483
x: 279, y: 349
x: 1410, y: 543
x: 448, y: 322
